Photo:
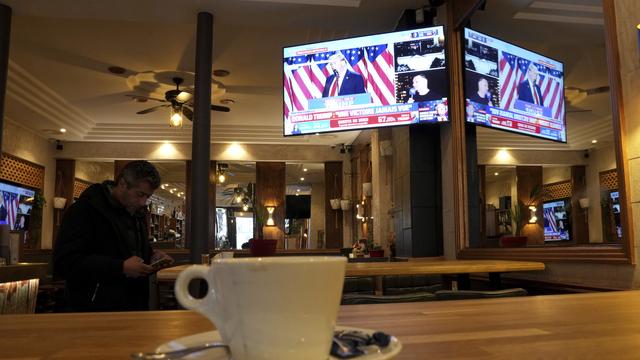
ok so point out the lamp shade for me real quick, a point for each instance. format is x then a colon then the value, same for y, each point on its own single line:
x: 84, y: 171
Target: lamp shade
x: 59, y: 202
x: 584, y: 203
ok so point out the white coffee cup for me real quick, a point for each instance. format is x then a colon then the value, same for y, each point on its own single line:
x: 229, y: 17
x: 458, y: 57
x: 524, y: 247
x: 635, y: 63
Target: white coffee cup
x: 270, y: 308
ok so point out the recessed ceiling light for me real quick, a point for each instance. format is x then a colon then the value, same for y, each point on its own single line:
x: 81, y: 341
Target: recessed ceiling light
x: 63, y: 130
x: 301, y: 179
x: 305, y: 169
x: 594, y: 141
x: 297, y: 190
x: 221, y: 72
x: 496, y: 174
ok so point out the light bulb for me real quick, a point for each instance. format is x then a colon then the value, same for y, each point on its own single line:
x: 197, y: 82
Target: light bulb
x: 245, y: 207
x: 221, y: 178
x: 176, y: 118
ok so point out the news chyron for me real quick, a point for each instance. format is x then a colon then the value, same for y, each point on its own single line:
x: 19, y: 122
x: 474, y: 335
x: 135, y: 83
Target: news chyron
x: 513, y: 89
x: 366, y: 82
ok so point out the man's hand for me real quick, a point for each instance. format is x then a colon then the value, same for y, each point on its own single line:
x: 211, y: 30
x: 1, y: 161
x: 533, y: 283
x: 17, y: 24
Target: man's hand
x: 135, y: 267
x: 160, y: 255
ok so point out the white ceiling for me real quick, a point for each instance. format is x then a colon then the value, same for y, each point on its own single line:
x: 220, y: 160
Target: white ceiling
x: 60, y: 52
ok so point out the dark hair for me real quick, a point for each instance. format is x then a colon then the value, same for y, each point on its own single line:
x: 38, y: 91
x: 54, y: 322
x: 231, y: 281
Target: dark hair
x: 139, y: 170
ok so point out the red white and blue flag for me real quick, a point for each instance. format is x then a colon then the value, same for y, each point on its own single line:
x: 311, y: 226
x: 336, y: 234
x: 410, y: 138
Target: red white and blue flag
x: 513, y: 71
x: 10, y: 202
x: 305, y: 76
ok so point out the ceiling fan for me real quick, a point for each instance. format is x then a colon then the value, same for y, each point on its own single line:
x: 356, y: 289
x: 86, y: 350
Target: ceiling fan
x: 575, y: 95
x: 179, y: 101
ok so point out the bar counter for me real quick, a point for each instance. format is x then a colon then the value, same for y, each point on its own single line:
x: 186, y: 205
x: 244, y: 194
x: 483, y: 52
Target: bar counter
x: 594, y: 325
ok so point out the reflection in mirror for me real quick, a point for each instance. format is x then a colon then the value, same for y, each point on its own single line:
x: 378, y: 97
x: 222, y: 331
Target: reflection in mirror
x: 235, y: 198
x: 304, y: 206
x: 167, y: 206
x: 544, y: 192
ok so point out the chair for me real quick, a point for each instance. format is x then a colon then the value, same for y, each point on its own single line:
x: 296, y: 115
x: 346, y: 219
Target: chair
x: 354, y: 299
x: 476, y: 294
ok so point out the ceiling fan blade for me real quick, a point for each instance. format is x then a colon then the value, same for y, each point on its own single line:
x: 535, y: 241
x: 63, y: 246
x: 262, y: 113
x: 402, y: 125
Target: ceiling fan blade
x: 183, y: 97
x: 142, y: 98
x: 187, y: 112
x: 220, y: 108
x: 151, y: 109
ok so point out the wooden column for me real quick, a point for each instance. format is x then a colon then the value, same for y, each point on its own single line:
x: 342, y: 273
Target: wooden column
x: 201, y: 140
x: 5, y: 37
x: 332, y: 218
x: 186, y: 232
x: 65, y: 177
x: 482, y: 179
x: 527, y: 178
x: 212, y: 205
x: 271, y: 183
x: 579, y: 225
x: 118, y: 165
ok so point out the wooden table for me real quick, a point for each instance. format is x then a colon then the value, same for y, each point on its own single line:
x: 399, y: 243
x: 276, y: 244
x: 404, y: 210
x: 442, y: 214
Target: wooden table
x: 460, y: 268
x: 595, y: 326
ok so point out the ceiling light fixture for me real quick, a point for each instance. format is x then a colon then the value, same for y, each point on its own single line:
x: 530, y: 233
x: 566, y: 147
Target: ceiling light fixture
x: 305, y: 169
x: 221, y: 178
x: 227, y: 101
x: 221, y: 72
x: 301, y: 179
x: 594, y: 141
x: 63, y: 130
x: 176, y: 116
x: 496, y: 174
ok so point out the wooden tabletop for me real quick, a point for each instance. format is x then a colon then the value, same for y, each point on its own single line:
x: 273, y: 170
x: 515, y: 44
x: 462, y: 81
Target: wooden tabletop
x: 22, y: 271
x: 412, y: 268
x: 595, y: 325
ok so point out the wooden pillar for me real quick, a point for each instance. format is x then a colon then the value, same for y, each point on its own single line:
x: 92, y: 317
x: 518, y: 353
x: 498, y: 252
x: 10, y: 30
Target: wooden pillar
x: 118, y: 165
x: 5, y: 38
x: 65, y: 178
x: 201, y: 139
x: 482, y: 180
x: 212, y: 204
x: 332, y: 218
x: 186, y: 231
x: 271, y: 183
x: 527, y: 178
x: 579, y: 225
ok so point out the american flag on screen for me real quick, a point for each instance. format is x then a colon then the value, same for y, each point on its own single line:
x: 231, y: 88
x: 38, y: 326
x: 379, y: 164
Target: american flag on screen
x: 305, y: 76
x: 513, y: 71
x: 550, y: 219
x: 10, y: 201
x: 552, y: 93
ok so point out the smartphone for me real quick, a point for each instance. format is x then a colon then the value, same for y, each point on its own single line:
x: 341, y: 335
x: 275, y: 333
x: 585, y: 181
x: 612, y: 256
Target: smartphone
x: 157, y: 265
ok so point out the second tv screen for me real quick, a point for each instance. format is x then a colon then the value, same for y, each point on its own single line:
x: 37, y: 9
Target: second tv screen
x: 366, y: 82
x: 514, y: 89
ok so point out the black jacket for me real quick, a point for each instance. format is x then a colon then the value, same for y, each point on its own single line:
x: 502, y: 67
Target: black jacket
x: 90, y: 249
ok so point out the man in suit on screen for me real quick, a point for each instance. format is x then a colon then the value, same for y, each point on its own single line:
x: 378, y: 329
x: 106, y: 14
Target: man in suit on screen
x: 529, y: 90
x: 342, y: 81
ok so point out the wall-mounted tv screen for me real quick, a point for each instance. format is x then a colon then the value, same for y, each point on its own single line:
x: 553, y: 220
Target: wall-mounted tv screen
x: 510, y: 88
x: 365, y: 82
x: 556, y: 220
x: 15, y: 206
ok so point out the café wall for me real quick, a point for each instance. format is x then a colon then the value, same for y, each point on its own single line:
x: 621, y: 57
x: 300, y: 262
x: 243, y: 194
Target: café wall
x: 28, y: 145
x: 94, y: 171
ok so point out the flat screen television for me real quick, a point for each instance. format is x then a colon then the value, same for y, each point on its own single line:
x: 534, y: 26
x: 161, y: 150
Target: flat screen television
x: 365, y: 82
x: 557, y: 226
x: 510, y: 88
x: 15, y: 206
x: 298, y: 206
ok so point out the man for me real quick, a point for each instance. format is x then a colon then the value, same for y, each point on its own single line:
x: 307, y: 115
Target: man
x: 420, y: 92
x: 102, y: 249
x: 529, y: 90
x: 342, y: 81
x: 482, y: 96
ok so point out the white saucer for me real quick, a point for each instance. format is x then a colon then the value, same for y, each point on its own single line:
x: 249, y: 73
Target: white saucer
x: 221, y: 354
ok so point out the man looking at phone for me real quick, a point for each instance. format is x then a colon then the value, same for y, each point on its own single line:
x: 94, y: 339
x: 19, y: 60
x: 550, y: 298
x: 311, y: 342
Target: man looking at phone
x: 102, y: 249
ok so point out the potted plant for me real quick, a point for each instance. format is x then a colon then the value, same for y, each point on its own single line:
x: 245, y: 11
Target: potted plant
x: 258, y: 245
x: 518, y: 214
